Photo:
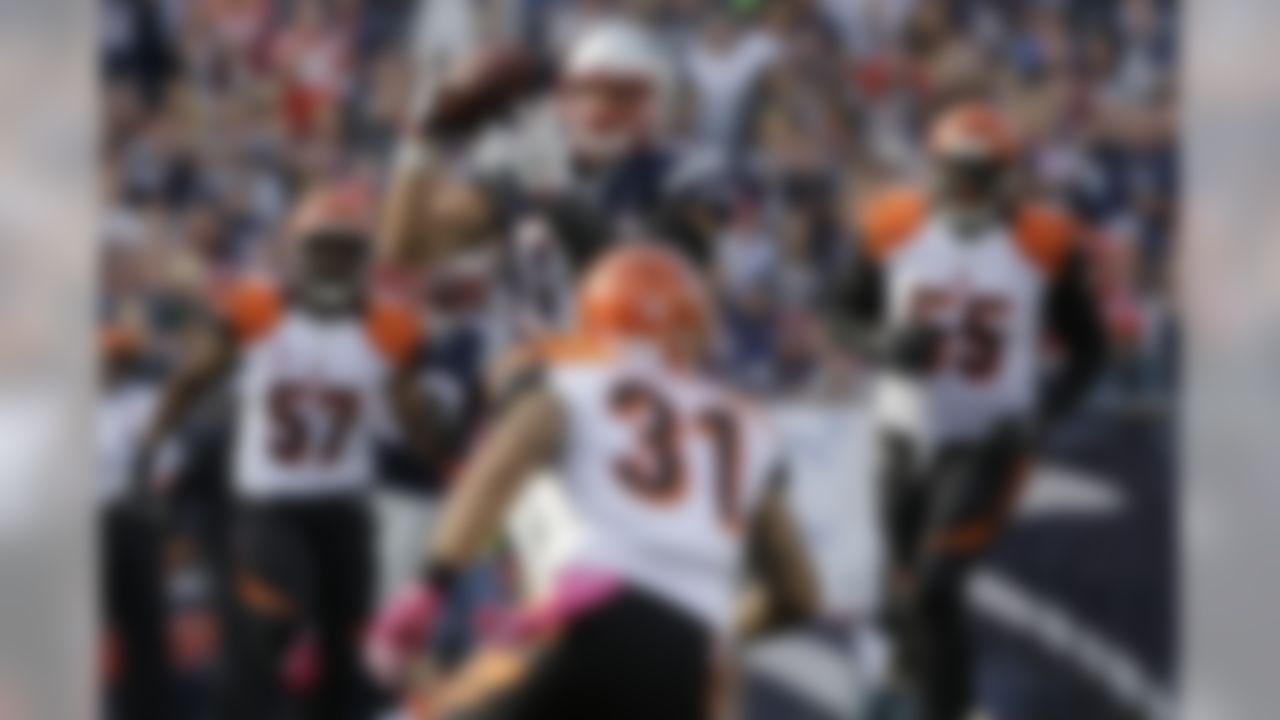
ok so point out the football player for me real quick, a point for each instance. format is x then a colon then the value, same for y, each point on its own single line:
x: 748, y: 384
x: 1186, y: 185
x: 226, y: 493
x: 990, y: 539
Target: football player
x: 600, y: 125
x: 975, y: 307
x: 130, y: 547
x: 310, y: 362
x: 674, y: 480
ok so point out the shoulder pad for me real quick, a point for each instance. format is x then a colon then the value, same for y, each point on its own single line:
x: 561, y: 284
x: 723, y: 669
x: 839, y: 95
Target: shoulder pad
x: 1045, y: 236
x: 888, y: 220
x: 251, y: 308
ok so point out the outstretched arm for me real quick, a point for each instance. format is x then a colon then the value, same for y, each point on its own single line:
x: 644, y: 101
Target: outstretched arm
x: 430, y: 213
x: 524, y: 437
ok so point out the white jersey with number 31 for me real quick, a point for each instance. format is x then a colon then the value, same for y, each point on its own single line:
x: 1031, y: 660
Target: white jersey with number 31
x: 664, y: 470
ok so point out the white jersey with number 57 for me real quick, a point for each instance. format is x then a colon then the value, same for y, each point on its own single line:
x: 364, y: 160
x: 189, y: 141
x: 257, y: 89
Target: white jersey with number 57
x: 310, y: 393
x: 664, y: 469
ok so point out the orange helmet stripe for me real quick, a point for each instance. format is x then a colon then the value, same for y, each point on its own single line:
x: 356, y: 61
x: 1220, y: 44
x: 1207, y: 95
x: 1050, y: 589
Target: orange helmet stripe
x: 339, y: 206
x: 975, y: 129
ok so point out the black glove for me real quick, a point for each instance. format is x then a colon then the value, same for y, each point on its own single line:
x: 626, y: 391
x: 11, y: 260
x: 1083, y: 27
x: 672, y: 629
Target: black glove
x: 913, y: 350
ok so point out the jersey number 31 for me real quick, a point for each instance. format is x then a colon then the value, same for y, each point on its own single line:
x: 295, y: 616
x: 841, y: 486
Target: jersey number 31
x: 655, y: 468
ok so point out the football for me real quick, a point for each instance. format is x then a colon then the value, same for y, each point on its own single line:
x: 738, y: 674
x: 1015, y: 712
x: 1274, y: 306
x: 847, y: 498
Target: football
x: 485, y: 87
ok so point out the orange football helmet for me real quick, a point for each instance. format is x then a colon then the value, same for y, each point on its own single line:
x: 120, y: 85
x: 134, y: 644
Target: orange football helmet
x: 973, y: 131
x: 330, y: 238
x: 649, y: 293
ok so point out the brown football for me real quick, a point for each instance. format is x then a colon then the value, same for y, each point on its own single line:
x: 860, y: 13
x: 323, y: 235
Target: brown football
x: 484, y: 87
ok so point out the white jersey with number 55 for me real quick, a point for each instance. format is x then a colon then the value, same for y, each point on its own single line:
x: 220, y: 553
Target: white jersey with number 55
x: 987, y: 295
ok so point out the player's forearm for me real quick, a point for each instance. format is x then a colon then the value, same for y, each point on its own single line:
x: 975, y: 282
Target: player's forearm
x: 175, y: 402
x: 211, y: 355
x: 1076, y: 321
x: 1063, y: 392
x: 483, y: 493
x: 403, y: 221
x: 469, y: 522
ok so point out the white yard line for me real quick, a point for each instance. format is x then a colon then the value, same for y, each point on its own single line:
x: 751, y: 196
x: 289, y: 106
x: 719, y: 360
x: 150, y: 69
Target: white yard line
x: 1057, y: 631
x: 1056, y: 490
x: 826, y: 678
x: 823, y: 676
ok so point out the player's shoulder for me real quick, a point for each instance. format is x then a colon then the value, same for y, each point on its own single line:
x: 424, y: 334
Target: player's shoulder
x: 563, y: 351
x: 556, y: 359
x: 251, y: 305
x: 888, y: 218
x: 394, y: 328
x: 1045, y: 234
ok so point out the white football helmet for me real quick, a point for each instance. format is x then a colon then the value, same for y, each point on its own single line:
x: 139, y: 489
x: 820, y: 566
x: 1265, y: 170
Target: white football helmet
x: 616, y: 89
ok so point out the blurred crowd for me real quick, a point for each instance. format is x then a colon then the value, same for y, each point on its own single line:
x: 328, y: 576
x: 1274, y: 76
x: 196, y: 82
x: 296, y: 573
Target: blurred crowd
x: 215, y: 112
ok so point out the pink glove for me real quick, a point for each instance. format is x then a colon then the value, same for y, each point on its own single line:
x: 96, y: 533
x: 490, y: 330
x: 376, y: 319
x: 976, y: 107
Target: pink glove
x: 399, y: 631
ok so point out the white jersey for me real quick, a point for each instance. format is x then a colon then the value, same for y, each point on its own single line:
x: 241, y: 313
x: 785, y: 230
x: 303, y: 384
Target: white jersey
x: 310, y: 394
x: 987, y: 294
x: 123, y: 413
x: 664, y: 471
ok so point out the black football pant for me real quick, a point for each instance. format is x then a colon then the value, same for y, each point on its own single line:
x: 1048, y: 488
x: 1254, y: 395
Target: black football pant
x: 939, y: 515
x: 634, y: 658
x: 133, y: 595
x: 303, y: 565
